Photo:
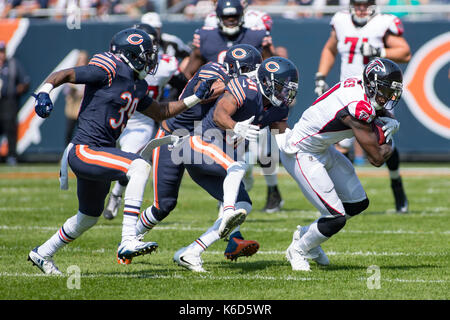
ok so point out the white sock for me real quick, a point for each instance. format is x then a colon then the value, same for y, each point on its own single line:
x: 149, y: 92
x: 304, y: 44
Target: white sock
x: 312, y: 238
x: 231, y: 184
x: 271, y: 179
x: 206, y: 239
x: 118, y: 189
x: 71, y: 229
x: 146, y: 221
x: 394, y: 174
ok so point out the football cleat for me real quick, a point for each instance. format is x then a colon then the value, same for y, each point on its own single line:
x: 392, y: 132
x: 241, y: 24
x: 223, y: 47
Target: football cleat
x: 133, y: 248
x: 274, y: 202
x: 112, y: 207
x: 45, y: 264
x: 185, y: 257
x: 240, y: 248
x: 230, y: 220
x: 295, y: 255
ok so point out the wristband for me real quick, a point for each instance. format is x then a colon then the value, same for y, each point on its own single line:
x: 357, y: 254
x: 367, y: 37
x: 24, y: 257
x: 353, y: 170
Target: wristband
x: 46, y: 87
x: 191, y: 101
x: 383, y: 53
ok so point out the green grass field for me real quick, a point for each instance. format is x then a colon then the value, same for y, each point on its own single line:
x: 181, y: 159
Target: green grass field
x: 411, y: 251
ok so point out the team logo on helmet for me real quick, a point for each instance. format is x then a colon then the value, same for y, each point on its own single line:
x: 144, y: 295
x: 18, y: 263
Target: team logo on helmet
x: 272, y: 66
x: 135, y: 39
x: 239, y: 53
x: 376, y: 65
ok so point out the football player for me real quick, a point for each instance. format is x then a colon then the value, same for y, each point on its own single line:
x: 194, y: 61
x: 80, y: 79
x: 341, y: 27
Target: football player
x: 211, y: 44
x: 140, y: 128
x: 359, y: 35
x: 326, y: 176
x: 115, y: 89
x: 255, y: 19
x: 235, y: 119
x: 168, y: 170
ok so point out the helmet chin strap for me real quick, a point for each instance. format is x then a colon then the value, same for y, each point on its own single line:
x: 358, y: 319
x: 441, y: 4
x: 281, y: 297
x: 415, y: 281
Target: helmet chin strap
x: 229, y: 31
x: 141, y: 74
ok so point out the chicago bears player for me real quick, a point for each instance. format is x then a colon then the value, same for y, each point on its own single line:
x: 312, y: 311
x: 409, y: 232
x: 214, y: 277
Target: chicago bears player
x: 235, y: 119
x: 255, y: 19
x: 360, y: 35
x: 211, y: 44
x: 140, y: 128
x: 115, y: 89
x: 326, y: 176
x: 167, y: 170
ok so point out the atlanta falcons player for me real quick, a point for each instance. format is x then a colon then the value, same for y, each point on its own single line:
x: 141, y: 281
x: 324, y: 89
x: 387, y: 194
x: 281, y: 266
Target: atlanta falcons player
x: 325, y: 176
x: 360, y: 35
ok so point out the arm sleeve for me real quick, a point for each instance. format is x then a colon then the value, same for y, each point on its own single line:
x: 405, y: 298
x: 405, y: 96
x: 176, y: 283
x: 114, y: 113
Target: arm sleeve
x: 91, y: 74
x: 144, y: 103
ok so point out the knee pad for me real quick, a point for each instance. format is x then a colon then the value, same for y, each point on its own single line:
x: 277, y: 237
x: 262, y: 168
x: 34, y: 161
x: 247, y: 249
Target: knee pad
x: 140, y: 168
x: 352, y: 209
x: 331, y: 225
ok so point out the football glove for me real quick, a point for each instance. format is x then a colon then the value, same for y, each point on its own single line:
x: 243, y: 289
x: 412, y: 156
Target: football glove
x: 43, y: 105
x: 390, y: 126
x: 204, y: 90
x: 369, y: 51
x: 246, y: 130
x: 321, y: 85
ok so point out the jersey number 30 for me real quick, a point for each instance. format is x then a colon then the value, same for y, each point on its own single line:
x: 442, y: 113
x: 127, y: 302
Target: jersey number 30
x: 129, y: 107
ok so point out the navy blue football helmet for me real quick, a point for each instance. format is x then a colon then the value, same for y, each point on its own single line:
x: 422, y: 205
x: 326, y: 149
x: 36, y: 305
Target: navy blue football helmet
x: 226, y: 9
x: 242, y: 59
x: 278, y: 80
x: 136, y: 48
x: 383, y: 83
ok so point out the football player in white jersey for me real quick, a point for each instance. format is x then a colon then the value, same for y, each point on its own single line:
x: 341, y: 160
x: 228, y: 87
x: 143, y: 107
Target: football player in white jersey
x: 326, y: 177
x: 140, y: 129
x: 360, y: 35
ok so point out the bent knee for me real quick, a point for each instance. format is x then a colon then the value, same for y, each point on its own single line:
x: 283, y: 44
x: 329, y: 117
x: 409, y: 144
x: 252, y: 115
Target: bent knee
x: 353, y: 209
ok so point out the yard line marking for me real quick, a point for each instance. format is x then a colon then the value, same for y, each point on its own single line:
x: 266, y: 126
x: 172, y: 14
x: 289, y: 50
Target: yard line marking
x: 210, y: 277
x: 248, y: 229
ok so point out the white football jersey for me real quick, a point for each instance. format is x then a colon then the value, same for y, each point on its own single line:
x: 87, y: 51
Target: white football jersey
x: 320, y: 125
x: 167, y: 67
x: 252, y: 19
x: 351, y: 37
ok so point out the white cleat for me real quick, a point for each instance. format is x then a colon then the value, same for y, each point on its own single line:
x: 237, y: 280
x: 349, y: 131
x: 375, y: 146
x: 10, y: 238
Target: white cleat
x: 295, y: 256
x: 45, y: 264
x: 230, y: 220
x: 112, y: 207
x: 133, y: 248
x: 189, y: 260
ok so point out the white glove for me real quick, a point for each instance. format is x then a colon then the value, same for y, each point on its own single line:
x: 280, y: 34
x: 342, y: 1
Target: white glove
x: 321, y: 85
x: 246, y: 130
x: 390, y: 126
x: 369, y: 51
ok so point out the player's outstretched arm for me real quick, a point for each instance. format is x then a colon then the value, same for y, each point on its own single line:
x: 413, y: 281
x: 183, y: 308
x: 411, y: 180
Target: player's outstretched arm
x: 327, y: 59
x: 366, y: 137
x: 397, y: 49
x: 165, y: 110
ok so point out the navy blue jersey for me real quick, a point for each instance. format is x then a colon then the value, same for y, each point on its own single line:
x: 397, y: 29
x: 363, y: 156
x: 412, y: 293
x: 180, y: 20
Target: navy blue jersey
x: 111, y: 96
x: 213, y: 44
x: 250, y: 103
x: 186, y: 119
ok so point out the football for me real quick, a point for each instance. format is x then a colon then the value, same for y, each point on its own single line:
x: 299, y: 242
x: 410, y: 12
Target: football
x: 377, y: 126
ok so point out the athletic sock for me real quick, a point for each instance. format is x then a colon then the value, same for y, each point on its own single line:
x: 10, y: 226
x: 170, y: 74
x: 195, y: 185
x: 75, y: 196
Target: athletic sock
x: 146, y: 221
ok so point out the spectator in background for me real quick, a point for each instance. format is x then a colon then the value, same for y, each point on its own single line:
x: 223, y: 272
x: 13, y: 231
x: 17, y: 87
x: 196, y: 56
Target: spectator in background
x: 74, y: 95
x: 23, y: 8
x: 13, y: 83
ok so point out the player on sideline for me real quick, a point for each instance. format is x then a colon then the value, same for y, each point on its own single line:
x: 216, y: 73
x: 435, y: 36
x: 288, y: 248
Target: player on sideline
x: 115, y: 89
x: 326, y: 176
x: 236, y: 118
x: 360, y: 35
x: 211, y: 44
x: 167, y: 170
x: 140, y: 128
